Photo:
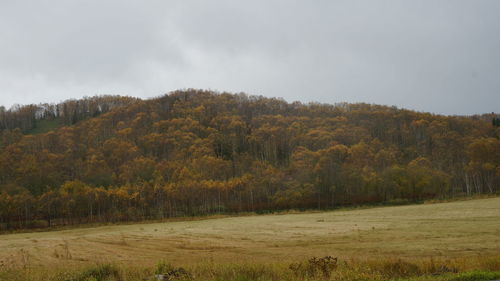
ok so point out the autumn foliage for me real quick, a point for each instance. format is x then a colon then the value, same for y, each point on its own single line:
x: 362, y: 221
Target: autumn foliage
x: 197, y: 152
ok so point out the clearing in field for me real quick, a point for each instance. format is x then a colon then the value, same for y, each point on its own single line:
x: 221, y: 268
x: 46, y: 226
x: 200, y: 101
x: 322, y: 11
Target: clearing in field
x: 447, y: 230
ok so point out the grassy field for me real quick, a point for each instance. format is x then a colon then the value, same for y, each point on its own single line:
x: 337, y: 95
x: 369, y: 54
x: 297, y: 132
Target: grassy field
x: 445, y: 231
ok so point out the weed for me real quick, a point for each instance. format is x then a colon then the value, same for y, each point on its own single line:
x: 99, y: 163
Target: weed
x: 400, y: 268
x: 315, y: 267
x: 435, y: 268
x: 102, y: 272
x: 165, y: 271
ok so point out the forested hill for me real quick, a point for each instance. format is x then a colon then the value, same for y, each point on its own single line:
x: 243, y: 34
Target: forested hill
x: 197, y: 152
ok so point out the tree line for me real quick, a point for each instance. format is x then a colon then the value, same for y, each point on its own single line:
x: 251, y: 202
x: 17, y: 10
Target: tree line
x: 195, y: 152
x: 27, y: 117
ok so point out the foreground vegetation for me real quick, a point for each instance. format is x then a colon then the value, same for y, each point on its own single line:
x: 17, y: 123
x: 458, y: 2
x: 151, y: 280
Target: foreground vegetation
x: 445, y: 241
x: 326, y: 268
x: 190, y: 153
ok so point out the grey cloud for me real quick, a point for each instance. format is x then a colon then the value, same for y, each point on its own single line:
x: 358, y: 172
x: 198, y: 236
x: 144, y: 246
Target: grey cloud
x: 438, y: 56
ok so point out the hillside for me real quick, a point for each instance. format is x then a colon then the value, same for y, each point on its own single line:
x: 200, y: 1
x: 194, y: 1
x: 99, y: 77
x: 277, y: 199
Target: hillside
x: 197, y: 152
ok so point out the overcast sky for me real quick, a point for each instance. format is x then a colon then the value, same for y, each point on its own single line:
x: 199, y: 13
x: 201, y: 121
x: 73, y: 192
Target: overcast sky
x: 441, y: 56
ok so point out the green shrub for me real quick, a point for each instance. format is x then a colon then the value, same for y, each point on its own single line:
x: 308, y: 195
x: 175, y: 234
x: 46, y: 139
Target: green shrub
x: 476, y: 276
x: 104, y: 272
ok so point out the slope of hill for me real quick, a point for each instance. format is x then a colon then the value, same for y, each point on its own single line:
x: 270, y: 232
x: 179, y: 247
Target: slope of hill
x: 198, y: 152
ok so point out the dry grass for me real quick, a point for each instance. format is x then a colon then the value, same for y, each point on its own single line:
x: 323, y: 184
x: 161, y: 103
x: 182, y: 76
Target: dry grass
x: 445, y: 230
x: 483, y: 269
